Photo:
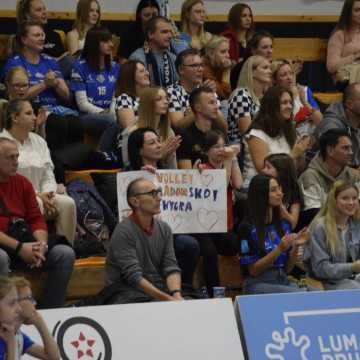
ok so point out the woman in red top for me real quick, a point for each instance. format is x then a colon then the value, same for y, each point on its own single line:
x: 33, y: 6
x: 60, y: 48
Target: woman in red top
x: 240, y: 31
x: 219, y: 156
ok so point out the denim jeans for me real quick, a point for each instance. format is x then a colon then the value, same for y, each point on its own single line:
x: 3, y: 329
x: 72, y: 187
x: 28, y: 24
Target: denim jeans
x: 273, y: 280
x: 58, y: 265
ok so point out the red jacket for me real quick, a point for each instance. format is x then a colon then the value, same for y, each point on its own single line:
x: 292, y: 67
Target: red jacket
x: 236, y: 51
x: 20, y: 200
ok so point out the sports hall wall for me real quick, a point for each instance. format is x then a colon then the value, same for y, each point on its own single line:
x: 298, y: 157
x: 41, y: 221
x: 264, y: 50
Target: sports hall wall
x: 283, y: 18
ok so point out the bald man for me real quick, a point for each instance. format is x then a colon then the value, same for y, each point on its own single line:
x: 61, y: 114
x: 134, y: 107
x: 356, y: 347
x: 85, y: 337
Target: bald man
x: 18, y: 203
x: 141, y: 258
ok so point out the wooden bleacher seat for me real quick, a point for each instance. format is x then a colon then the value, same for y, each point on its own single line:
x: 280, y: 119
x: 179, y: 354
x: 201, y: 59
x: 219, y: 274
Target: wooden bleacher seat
x: 313, y: 283
x: 328, y: 98
x: 87, y: 279
x: 305, y: 49
x: 86, y: 174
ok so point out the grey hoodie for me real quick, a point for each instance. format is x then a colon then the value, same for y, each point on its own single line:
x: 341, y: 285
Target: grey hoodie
x: 315, y: 182
x: 322, y: 265
x: 335, y: 118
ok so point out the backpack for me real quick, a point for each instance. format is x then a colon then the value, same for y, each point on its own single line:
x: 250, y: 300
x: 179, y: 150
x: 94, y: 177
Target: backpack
x: 94, y: 217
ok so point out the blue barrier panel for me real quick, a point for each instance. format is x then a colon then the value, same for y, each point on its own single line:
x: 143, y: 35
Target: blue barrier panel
x: 301, y: 326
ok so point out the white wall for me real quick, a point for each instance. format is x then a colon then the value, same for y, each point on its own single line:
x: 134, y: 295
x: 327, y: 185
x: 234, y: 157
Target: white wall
x: 260, y: 7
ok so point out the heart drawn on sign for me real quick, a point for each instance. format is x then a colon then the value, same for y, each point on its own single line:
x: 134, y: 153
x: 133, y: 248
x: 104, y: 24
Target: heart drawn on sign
x: 207, y: 218
x: 177, y: 221
x: 206, y: 179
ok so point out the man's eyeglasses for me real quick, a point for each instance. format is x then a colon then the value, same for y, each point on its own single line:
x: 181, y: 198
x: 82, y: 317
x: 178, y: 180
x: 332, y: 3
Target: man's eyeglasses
x: 27, y: 297
x: 194, y: 66
x: 154, y: 193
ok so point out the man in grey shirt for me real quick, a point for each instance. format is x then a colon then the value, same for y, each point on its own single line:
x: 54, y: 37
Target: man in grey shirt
x: 141, y: 258
x: 345, y: 115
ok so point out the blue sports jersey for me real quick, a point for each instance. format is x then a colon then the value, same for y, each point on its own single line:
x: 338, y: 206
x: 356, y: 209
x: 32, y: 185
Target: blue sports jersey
x: 249, y: 252
x: 25, y: 342
x: 99, y: 85
x: 36, y: 73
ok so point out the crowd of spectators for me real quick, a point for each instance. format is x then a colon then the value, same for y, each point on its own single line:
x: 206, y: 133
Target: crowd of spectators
x: 179, y: 97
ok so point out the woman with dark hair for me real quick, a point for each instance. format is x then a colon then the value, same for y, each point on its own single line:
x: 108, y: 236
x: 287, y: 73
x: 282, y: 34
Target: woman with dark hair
x: 133, y: 78
x: 87, y: 16
x: 261, y: 43
x: 219, y: 156
x: 268, y: 249
x: 145, y: 150
x: 272, y: 132
x: 134, y: 36
x: 307, y: 113
x: 93, y: 81
x: 282, y: 167
x: 240, y: 31
x: 343, y: 51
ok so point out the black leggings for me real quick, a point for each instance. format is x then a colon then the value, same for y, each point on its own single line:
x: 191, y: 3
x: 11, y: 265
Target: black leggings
x: 210, y: 246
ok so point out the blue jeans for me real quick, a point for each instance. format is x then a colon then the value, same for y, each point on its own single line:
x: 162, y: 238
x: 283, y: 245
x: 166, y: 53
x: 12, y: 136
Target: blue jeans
x: 187, y: 252
x: 273, y: 280
x: 58, y: 265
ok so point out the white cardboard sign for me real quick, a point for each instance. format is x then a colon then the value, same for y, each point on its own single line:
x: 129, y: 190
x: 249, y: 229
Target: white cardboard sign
x: 192, y: 202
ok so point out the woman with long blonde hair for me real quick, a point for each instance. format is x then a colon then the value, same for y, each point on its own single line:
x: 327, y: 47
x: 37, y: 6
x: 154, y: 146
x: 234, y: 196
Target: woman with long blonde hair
x: 153, y: 113
x: 192, y: 23
x: 87, y: 16
x: 244, y: 102
x: 217, y: 65
x: 333, y: 252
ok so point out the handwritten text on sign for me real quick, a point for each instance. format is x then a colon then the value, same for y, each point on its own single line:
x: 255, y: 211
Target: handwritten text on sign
x: 192, y: 202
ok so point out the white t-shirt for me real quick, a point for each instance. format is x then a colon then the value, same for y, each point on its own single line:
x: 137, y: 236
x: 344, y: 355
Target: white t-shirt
x: 276, y: 146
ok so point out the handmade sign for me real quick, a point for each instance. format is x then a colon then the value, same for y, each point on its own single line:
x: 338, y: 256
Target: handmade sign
x: 192, y: 202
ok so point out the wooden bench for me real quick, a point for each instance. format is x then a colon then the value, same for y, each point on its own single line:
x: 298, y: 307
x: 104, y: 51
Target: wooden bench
x: 87, y: 279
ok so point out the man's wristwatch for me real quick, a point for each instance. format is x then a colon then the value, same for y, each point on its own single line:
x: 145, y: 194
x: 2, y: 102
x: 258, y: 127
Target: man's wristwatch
x: 173, y: 292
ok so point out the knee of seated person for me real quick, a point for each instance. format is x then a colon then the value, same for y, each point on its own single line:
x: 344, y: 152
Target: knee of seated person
x: 65, y: 201
x: 187, y: 244
x: 63, y: 255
